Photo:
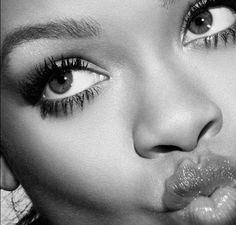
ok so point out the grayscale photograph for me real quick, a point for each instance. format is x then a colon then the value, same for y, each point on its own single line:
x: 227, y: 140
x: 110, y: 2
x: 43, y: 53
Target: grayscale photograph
x: 118, y: 112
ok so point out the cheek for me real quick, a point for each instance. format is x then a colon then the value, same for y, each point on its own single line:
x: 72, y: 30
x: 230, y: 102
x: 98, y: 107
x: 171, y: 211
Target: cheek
x: 215, y: 73
x: 218, y: 75
x: 80, y: 157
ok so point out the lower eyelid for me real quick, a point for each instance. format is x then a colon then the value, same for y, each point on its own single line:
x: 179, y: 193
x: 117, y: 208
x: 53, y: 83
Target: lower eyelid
x: 63, y: 107
x: 218, y: 40
x: 66, y: 106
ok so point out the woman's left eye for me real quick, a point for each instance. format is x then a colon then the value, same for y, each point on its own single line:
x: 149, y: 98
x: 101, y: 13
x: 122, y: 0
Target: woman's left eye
x: 207, y: 26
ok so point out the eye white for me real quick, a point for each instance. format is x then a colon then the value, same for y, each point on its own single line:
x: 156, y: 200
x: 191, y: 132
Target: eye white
x: 223, y: 18
x: 82, y: 80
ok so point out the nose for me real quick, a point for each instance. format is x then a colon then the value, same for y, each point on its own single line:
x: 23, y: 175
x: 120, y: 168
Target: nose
x: 177, y: 117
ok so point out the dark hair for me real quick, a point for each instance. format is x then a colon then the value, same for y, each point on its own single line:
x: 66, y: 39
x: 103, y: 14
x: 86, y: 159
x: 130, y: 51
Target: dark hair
x: 31, y: 218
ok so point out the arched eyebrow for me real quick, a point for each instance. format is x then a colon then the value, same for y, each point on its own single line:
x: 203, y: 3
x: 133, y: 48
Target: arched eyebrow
x: 68, y: 28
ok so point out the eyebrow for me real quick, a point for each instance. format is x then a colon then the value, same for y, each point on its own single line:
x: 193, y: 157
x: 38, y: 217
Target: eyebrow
x: 167, y: 3
x: 68, y: 28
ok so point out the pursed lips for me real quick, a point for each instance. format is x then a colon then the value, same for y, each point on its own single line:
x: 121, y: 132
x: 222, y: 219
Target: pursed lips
x: 202, y: 188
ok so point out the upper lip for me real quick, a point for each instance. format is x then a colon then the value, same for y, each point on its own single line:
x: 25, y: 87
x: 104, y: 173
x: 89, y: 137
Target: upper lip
x: 192, y: 179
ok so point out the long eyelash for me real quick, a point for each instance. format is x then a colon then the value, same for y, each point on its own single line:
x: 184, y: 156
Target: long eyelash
x: 202, y: 5
x: 65, y: 105
x: 33, y: 86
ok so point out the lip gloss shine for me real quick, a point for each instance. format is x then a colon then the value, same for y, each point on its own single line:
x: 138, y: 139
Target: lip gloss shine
x: 203, y: 193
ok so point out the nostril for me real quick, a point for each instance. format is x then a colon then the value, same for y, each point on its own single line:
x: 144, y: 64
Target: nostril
x: 167, y: 148
x: 205, y: 129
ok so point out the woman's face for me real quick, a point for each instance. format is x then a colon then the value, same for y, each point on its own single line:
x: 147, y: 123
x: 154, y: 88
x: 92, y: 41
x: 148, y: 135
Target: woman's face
x: 101, y: 100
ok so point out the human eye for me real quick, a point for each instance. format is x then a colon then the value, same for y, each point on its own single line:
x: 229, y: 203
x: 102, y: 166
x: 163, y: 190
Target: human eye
x: 210, y: 24
x: 57, y: 86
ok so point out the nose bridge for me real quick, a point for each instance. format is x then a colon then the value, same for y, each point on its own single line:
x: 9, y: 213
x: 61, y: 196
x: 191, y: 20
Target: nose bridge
x: 174, y: 112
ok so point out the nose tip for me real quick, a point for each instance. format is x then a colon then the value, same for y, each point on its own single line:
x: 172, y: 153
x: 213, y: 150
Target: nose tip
x: 178, y: 130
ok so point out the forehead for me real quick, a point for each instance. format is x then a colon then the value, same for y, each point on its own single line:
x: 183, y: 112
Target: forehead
x: 33, y: 10
x: 129, y: 15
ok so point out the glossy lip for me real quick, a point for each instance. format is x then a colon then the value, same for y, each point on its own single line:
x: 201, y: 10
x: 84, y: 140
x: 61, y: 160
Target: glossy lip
x: 202, y: 193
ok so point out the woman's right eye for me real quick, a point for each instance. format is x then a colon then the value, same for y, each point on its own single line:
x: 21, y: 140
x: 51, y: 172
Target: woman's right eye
x: 70, y: 83
x: 59, y: 86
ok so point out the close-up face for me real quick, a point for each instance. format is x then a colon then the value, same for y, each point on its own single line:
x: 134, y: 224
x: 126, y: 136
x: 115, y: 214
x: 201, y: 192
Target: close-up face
x: 121, y: 112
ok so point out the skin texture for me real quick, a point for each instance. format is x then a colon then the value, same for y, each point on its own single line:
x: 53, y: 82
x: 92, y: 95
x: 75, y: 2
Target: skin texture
x: 107, y: 164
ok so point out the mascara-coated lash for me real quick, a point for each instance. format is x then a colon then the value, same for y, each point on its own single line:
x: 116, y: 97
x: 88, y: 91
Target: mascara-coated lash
x: 65, y: 106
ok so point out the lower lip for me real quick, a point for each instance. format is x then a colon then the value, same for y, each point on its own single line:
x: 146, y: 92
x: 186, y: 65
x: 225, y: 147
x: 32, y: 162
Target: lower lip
x: 218, y: 209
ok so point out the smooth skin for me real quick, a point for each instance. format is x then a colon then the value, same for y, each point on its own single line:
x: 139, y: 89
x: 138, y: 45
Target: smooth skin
x: 163, y: 102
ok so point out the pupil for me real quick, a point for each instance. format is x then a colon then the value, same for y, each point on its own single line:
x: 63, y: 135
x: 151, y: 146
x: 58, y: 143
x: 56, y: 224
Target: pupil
x: 199, y: 21
x: 60, y: 84
x: 61, y: 79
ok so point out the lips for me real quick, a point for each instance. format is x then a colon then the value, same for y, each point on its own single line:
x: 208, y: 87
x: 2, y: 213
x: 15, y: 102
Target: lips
x: 203, y: 193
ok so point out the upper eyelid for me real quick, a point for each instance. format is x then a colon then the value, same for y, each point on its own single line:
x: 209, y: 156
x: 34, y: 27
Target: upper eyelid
x: 91, y: 66
x: 204, y: 4
x: 68, y: 28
